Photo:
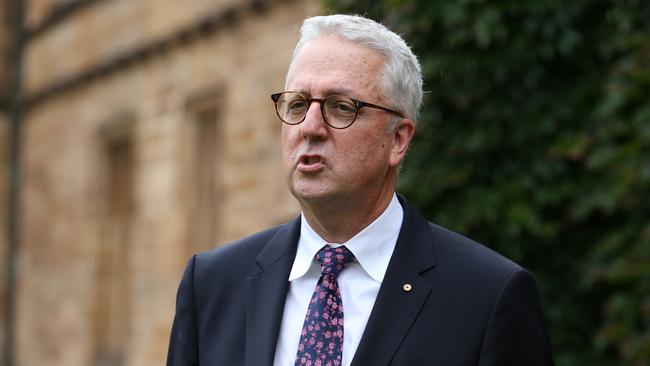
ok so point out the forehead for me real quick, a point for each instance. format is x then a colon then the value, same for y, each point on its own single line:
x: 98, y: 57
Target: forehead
x: 330, y: 64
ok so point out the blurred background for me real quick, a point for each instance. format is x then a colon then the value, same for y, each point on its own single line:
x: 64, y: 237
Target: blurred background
x: 135, y: 133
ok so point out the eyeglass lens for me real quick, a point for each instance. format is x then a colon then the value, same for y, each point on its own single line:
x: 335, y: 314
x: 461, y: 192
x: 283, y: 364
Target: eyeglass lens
x: 338, y: 111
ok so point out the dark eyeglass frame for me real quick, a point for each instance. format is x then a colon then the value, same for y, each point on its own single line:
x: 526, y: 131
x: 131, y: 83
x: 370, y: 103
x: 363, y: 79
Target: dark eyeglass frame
x: 358, y: 104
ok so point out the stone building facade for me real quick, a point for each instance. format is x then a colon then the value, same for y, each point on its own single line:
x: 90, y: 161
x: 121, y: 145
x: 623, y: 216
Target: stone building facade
x: 6, y: 46
x: 148, y: 135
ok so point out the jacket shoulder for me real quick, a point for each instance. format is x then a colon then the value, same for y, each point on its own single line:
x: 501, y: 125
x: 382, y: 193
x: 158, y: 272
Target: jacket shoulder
x: 240, y: 253
x: 455, y: 251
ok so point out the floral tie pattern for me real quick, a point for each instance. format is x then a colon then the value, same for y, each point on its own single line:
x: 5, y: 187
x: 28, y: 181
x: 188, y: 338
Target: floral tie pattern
x: 321, y: 339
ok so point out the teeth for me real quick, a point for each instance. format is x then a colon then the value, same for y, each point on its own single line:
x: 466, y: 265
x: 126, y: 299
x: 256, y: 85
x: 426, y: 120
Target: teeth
x: 311, y: 160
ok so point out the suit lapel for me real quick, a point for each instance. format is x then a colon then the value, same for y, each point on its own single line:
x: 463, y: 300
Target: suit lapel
x: 266, y: 292
x: 396, y: 309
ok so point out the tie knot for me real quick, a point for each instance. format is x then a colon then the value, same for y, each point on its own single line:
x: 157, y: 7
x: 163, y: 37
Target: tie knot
x: 334, y: 260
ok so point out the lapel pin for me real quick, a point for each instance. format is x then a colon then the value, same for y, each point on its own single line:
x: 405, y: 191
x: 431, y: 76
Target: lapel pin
x: 407, y: 287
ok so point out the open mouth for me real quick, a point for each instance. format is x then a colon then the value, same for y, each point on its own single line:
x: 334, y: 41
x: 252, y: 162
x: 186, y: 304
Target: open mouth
x: 310, y: 159
x: 310, y: 163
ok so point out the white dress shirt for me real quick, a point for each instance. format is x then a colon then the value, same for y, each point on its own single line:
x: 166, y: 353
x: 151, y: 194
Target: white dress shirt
x: 359, y: 283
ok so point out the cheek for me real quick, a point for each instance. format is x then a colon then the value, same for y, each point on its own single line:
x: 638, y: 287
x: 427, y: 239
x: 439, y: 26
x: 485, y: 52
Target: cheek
x: 376, y: 154
x: 354, y: 155
x: 286, y: 138
x: 284, y: 133
x: 286, y: 150
x: 290, y: 144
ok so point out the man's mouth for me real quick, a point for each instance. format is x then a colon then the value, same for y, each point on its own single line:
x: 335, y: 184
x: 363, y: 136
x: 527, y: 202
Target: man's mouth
x: 310, y: 163
x: 310, y: 159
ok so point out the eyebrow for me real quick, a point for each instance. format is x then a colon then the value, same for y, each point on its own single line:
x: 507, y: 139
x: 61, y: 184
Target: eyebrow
x: 328, y: 92
x: 346, y: 92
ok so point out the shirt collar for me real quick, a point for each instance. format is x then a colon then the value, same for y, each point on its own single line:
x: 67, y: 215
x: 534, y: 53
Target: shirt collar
x: 372, y: 247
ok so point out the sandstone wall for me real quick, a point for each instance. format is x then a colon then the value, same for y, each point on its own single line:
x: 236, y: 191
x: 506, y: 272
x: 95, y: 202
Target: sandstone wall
x: 4, y: 176
x: 68, y: 231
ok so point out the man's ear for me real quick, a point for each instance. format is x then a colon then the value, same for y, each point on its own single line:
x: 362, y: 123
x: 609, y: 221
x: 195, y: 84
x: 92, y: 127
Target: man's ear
x: 402, y: 135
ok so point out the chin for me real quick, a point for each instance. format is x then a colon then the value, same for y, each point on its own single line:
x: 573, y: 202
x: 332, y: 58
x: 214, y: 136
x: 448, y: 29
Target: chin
x: 310, y: 194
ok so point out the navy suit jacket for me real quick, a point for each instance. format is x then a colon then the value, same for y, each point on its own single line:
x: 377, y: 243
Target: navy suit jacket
x: 468, y: 305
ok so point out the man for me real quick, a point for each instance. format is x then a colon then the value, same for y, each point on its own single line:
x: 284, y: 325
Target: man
x: 359, y: 278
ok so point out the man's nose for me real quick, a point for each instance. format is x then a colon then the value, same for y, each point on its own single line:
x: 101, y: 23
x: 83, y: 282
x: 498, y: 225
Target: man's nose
x: 314, y: 125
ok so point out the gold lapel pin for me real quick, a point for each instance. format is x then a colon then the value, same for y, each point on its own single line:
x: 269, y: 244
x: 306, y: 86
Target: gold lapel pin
x: 407, y: 287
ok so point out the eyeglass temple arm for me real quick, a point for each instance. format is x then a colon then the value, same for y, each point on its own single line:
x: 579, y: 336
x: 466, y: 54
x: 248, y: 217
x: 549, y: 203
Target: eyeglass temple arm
x: 361, y: 104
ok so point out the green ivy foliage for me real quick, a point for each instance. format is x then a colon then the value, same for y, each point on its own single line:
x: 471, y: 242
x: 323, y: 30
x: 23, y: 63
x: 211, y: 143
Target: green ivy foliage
x: 534, y: 139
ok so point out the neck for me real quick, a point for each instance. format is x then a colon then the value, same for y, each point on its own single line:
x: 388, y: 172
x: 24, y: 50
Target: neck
x: 338, y: 222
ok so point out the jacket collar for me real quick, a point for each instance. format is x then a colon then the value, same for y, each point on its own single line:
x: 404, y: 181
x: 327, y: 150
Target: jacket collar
x: 413, y: 256
x: 266, y: 292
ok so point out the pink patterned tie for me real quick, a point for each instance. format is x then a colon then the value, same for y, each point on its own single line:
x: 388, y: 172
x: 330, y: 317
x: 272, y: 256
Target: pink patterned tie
x: 321, y: 339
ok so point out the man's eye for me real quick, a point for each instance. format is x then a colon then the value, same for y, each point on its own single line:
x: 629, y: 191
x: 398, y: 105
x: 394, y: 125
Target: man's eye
x: 297, y: 105
x: 342, y: 107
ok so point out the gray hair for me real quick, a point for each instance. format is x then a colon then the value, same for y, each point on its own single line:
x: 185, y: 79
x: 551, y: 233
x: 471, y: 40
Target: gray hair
x: 401, y: 78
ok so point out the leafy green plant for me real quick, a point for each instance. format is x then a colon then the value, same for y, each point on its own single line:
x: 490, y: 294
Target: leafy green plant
x: 534, y: 139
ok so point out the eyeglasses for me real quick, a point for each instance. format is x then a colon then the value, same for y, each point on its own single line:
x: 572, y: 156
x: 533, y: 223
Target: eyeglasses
x: 338, y: 111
